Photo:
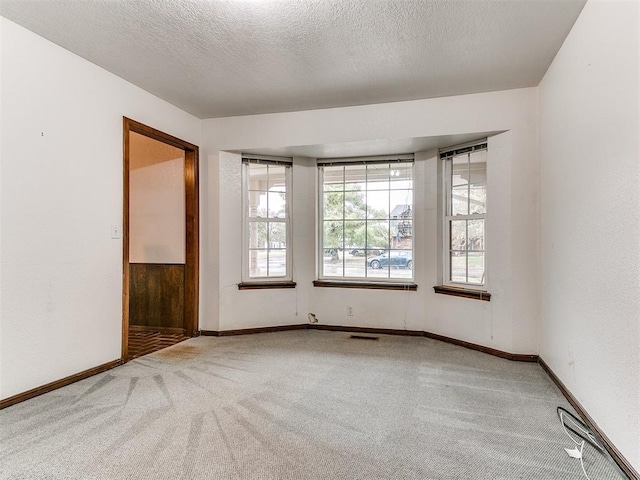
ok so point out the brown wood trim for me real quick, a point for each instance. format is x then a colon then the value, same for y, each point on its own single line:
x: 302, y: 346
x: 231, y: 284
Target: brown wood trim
x: 380, y: 331
x: 265, y: 285
x: 208, y: 333
x: 249, y: 331
x: 622, y: 462
x: 151, y: 132
x: 145, y: 328
x: 126, y: 129
x: 411, y: 287
x: 516, y: 357
x: 192, y: 241
x: 463, y: 292
x: 192, y: 230
x: 21, y: 397
x: 160, y: 264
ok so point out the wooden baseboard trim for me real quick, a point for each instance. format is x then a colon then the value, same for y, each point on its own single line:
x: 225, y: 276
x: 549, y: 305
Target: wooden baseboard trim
x: 516, y: 357
x: 378, y: 331
x: 207, y: 333
x: 249, y: 331
x: 146, y: 328
x: 622, y: 462
x: 21, y: 397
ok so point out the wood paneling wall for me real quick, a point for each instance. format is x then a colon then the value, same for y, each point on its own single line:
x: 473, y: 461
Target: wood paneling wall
x: 156, y: 295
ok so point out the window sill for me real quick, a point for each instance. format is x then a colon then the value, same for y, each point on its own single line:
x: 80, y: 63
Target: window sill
x: 463, y: 292
x: 265, y: 285
x: 366, y: 285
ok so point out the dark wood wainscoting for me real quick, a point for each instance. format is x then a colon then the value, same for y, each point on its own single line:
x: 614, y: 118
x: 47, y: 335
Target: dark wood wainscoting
x: 156, y: 295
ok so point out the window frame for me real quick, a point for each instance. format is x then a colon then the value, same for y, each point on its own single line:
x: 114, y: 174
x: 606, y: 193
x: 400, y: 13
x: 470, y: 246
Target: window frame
x: 446, y: 156
x: 283, y: 281
x: 404, y: 283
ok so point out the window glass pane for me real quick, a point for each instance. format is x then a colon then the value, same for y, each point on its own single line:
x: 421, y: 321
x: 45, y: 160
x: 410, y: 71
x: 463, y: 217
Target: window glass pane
x: 476, y: 268
x: 402, y: 234
x: 355, y: 177
x: 458, y: 267
x: 478, y: 182
x: 333, y: 178
x: 355, y: 264
x: 277, y: 235
x: 257, y: 204
x: 354, y: 234
x: 458, y: 235
x: 257, y: 177
x: 460, y: 169
x: 277, y: 179
x: 378, y: 265
x: 257, y: 263
x: 332, y: 205
x: 377, y: 235
x: 378, y: 204
x: 460, y: 201
x: 460, y: 185
x: 355, y: 206
x: 401, y: 263
x: 357, y: 252
x: 332, y: 237
x: 258, y: 237
x: 277, y: 205
x: 277, y: 263
x: 332, y: 262
x: 401, y: 204
x: 374, y: 252
x: 401, y: 175
x: 378, y: 176
x: 476, y: 235
x: 400, y: 259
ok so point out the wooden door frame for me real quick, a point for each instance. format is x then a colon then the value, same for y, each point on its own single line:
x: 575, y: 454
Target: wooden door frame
x: 192, y: 226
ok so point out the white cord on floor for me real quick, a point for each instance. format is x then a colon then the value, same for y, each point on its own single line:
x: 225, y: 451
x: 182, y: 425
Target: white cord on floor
x: 582, y: 461
x: 576, y: 443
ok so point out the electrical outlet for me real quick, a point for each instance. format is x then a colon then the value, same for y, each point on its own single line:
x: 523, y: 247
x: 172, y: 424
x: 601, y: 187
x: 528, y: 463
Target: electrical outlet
x: 350, y: 311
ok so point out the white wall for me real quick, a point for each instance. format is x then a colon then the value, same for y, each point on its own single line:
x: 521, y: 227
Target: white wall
x: 61, y: 187
x: 508, y: 322
x: 157, y: 213
x: 589, y: 223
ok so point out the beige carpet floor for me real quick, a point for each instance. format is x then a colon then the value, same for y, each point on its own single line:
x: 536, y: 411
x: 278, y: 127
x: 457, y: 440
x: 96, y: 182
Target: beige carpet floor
x: 297, y: 405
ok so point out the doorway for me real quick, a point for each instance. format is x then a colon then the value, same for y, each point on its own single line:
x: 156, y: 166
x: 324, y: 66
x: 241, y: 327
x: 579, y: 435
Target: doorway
x: 160, y: 240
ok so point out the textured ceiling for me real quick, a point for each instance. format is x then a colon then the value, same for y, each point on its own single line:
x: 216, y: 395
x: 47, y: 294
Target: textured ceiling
x: 216, y: 58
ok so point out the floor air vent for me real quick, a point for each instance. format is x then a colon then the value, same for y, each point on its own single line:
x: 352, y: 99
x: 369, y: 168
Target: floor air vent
x: 363, y: 337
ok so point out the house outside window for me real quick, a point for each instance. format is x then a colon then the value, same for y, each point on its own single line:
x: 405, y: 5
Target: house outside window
x: 465, y: 188
x: 266, y: 213
x: 366, y: 219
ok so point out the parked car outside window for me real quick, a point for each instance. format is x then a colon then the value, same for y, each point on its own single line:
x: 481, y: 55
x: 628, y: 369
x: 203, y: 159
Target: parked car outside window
x: 395, y: 259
